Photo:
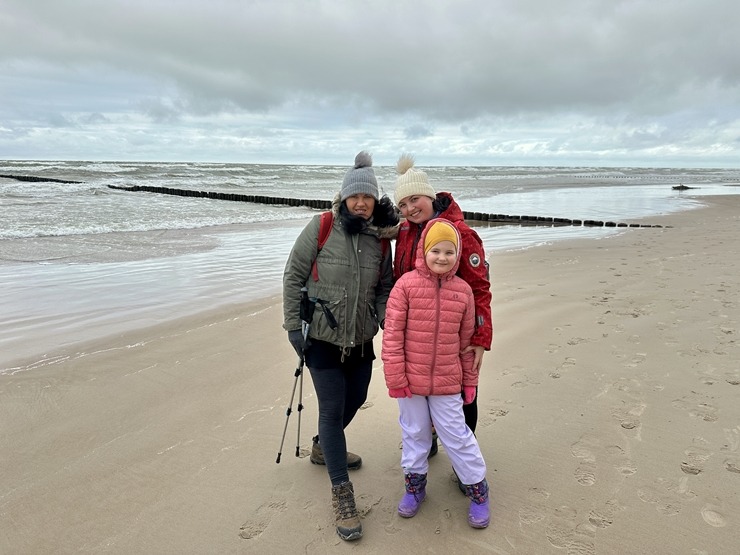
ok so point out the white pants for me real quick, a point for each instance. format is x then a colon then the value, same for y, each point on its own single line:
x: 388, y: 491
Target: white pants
x: 417, y: 415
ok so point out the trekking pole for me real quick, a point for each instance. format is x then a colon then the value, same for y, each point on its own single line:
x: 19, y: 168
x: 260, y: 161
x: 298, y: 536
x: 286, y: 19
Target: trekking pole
x: 289, y: 410
x: 300, y: 394
x: 306, y: 315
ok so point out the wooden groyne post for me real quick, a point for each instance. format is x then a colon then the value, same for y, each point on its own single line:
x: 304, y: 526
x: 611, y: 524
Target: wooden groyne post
x: 501, y: 219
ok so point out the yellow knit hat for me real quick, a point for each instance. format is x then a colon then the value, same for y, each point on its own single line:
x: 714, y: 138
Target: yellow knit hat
x: 410, y: 181
x: 438, y: 232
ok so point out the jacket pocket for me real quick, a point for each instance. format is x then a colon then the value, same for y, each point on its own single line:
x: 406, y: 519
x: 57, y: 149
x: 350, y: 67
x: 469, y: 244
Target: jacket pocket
x: 372, y: 320
x: 330, y: 320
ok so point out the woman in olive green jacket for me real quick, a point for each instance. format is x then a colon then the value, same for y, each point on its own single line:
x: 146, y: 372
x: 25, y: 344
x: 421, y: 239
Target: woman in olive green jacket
x: 349, y: 285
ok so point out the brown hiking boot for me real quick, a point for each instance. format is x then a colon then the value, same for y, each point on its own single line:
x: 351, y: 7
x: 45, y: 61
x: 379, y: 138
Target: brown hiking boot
x: 347, y: 518
x: 317, y: 456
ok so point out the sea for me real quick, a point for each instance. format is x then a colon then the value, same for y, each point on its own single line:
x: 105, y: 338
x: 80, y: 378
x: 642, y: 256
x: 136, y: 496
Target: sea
x: 83, y: 261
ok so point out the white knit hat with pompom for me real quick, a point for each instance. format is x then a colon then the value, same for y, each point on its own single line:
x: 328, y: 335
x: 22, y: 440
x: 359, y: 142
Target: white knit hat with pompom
x: 410, y: 181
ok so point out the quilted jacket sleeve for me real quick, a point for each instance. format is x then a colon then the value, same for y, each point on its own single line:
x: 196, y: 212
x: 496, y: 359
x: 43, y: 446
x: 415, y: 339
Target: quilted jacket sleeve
x: 474, y: 271
x: 467, y: 330
x: 394, y: 362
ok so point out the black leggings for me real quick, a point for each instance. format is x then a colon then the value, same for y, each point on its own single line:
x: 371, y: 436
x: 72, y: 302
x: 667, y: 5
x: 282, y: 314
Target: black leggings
x: 341, y: 389
x: 471, y: 412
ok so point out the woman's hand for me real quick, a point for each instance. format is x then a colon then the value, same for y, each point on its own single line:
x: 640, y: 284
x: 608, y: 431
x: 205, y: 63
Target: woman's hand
x: 478, y: 355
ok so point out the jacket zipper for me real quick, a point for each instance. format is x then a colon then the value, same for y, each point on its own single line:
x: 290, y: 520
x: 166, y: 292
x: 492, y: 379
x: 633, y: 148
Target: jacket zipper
x: 438, y: 311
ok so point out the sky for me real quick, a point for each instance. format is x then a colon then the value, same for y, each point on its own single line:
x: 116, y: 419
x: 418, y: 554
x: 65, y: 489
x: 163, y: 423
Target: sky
x: 455, y: 82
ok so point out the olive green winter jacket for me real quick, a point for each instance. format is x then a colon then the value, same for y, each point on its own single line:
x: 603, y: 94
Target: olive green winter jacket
x: 353, y: 281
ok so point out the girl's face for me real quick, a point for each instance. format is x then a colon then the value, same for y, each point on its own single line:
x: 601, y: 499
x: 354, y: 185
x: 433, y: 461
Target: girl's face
x: 417, y: 209
x: 361, y: 205
x: 441, y: 257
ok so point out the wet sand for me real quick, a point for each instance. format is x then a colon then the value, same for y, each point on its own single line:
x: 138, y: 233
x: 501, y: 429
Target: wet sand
x: 609, y: 419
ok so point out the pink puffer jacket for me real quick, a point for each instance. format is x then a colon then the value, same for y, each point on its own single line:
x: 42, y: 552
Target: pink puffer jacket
x: 429, y: 320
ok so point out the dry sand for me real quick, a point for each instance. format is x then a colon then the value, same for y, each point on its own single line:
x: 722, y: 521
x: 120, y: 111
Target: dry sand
x: 610, y: 422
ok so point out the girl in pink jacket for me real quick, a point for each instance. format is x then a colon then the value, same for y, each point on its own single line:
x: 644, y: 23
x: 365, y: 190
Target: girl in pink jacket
x: 430, y: 318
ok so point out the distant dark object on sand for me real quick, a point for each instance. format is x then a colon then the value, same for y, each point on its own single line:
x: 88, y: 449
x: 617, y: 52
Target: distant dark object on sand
x: 682, y: 187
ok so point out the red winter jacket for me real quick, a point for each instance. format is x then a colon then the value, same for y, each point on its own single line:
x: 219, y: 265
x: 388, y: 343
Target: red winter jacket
x: 429, y: 320
x: 472, y: 263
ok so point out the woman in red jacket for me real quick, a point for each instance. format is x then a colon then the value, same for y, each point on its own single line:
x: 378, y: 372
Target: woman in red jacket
x: 418, y: 203
x: 429, y: 322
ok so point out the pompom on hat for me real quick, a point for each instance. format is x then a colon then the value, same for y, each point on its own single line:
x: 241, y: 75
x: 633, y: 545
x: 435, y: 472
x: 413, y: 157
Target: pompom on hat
x: 438, y: 232
x: 410, y: 181
x: 361, y: 178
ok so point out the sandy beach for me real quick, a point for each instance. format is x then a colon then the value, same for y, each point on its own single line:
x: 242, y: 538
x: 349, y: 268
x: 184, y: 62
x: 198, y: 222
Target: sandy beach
x: 609, y: 420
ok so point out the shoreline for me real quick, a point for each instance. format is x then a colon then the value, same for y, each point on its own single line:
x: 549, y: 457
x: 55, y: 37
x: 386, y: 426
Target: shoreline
x: 142, y: 278
x: 608, y: 420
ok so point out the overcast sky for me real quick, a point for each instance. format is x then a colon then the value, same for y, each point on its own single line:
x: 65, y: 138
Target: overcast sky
x: 484, y: 82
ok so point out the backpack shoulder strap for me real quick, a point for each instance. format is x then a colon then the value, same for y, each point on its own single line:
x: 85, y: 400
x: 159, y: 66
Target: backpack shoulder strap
x: 385, y: 245
x: 327, y: 221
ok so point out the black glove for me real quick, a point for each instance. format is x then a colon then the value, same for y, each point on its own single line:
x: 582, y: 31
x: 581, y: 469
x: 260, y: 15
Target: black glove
x: 296, y: 339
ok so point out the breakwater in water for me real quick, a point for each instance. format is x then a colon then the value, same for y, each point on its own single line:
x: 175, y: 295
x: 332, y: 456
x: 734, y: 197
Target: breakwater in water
x: 35, y: 179
x: 501, y: 219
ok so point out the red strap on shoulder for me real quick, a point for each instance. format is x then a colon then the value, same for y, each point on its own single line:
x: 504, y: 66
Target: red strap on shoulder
x: 327, y: 221
x: 385, y: 245
x: 325, y: 227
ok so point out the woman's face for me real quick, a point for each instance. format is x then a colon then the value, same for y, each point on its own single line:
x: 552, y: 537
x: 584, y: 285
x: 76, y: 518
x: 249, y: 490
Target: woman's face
x: 417, y: 209
x: 361, y: 205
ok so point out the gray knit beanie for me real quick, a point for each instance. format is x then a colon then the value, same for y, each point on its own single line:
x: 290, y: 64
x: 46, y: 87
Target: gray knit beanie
x: 361, y: 178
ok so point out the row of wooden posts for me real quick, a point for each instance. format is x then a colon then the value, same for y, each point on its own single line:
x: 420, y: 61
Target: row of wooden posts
x: 326, y: 205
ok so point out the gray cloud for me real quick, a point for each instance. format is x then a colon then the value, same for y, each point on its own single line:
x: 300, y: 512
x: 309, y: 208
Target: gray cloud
x: 497, y: 81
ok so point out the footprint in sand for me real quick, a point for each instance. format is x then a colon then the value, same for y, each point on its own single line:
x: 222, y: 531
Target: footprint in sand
x: 694, y: 351
x: 708, y: 376
x: 578, y: 340
x: 254, y: 527
x: 635, y: 360
x: 696, y: 456
x: 733, y: 377
x: 629, y: 412
x: 534, y: 511
x: 712, y: 515
x: 733, y: 439
x: 493, y: 414
x: 603, y: 517
x: 524, y: 383
x: 512, y: 370
x: 598, y: 300
x: 619, y: 459
x: 698, y: 405
x: 667, y: 495
x: 628, y: 416
x: 366, y: 502
x: 563, y: 532
x: 732, y: 463
x: 584, y: 450
x: 567, y: 364
x: 562, y: 526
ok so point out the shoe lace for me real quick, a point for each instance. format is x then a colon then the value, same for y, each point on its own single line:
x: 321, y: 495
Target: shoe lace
x: 346, y: 503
